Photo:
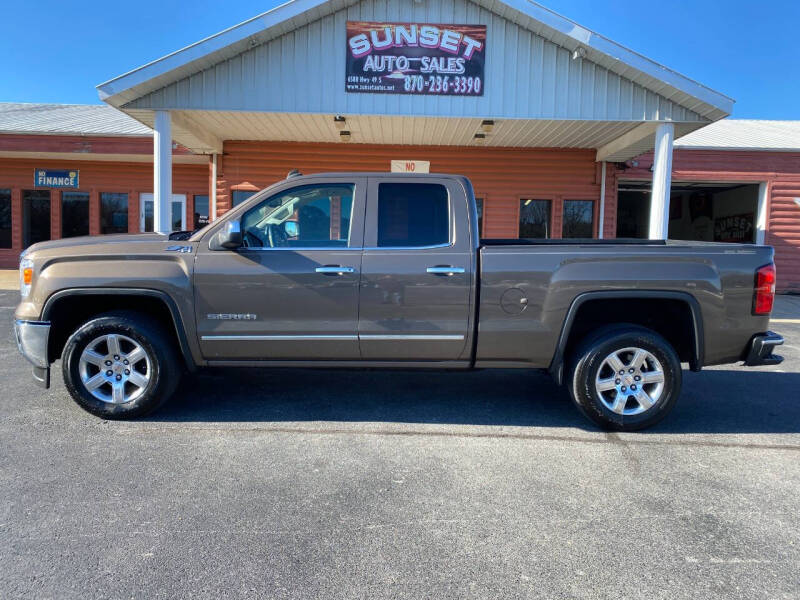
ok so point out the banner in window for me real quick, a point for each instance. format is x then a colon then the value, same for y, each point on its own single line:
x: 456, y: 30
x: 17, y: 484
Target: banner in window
x: 415, y: 58
x: 734, y: 228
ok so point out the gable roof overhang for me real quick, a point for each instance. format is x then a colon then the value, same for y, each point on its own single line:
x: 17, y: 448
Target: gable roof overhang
x: 697, y: 102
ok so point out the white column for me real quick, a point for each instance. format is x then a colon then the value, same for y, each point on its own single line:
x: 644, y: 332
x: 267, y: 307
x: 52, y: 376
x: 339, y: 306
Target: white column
x: 662, y: 182
x: 602, y: 216
x: 162, y: 172
x: 212, y: 213
x: 761, y: 218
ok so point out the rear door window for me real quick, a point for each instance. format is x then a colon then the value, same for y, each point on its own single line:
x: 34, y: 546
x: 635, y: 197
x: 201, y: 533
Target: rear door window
x: 413, y: 215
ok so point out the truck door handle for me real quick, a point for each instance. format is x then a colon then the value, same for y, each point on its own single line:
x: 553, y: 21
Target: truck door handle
x: 445, y: 270
x: 334, y: 270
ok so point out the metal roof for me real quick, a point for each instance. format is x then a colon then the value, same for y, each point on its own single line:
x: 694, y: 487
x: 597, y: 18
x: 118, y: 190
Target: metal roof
x: 69, y: 119
x: 626, y: 63
x: 744, y: 134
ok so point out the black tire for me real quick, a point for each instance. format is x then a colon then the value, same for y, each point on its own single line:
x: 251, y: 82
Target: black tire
x: 589, y: 358
x: 162, y: 370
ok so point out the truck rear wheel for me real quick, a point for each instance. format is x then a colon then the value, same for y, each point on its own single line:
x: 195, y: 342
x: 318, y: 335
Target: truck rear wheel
x: 120, y: 366
x: 625, y: 378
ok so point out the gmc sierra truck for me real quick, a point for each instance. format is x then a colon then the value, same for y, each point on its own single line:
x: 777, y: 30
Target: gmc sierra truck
x: 386, y: 271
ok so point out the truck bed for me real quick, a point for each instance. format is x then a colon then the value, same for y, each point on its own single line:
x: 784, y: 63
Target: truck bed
x: 528, y: 286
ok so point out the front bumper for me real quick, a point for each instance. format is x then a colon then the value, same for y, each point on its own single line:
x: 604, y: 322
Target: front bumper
x: 761, y: 347
x: 32, y: 337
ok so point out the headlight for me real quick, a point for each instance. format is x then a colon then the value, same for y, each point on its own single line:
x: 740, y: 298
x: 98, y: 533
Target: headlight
x: 25, y: 276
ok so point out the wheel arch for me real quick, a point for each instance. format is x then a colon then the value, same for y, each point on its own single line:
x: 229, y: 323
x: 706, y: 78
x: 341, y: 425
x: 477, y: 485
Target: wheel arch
x: 130, y: 298
x: 566, y: 340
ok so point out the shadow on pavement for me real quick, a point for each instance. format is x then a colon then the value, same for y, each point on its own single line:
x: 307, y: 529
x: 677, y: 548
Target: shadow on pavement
x: 713, y: 401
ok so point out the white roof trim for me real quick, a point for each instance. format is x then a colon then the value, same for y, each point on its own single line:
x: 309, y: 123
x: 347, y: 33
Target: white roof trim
x: 594, y: 41
x: 114, y: 90
x: 236, y: 34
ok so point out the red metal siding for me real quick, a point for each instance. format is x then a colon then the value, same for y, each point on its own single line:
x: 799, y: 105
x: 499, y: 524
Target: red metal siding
x: 783, y: 230
x: 81, y: 144
x: 95, y: 177
x: 500, y: 175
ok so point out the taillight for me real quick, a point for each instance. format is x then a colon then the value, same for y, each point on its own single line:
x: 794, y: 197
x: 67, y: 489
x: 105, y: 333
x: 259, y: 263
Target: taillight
x: 764, y: 294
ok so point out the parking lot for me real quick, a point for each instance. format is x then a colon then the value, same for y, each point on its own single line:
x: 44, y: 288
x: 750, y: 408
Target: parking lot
x: 375, y: 484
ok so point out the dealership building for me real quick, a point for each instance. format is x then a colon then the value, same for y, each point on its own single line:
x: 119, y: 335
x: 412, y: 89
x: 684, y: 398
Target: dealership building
x: 563, y: 132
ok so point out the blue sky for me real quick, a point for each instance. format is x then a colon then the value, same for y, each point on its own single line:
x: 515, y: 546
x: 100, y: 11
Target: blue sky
x: 55, y: 51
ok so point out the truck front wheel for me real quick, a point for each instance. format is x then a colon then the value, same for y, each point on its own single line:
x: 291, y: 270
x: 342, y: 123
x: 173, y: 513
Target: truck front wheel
x: 625, y: 378
x: 120, y: 365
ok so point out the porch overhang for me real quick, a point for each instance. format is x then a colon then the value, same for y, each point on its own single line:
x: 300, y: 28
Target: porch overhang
x: 203, y: 131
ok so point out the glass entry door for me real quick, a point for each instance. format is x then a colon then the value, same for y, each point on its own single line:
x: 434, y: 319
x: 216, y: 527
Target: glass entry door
x: 177, y: 212
x: 35, y: 216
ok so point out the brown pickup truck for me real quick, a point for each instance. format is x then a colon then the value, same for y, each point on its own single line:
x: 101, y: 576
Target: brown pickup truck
x: 387, y: 270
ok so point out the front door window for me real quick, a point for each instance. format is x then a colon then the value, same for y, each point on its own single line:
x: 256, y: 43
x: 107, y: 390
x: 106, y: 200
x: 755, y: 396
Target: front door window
x: 177, y: 217
x: 308, y: 216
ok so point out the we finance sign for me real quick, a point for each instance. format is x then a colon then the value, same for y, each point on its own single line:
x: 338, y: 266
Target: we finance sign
x: 56, y: 178
x: 415, y: 58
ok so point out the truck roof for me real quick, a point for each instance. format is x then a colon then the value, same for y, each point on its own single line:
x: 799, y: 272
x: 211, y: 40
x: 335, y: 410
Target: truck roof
x: 297, y: 175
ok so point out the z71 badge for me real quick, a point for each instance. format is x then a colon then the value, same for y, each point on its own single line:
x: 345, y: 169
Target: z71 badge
x: 232, y: 317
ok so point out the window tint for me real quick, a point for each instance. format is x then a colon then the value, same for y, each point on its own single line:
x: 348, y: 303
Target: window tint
x: 578, y: 219
x: 35, y: 216
x: 308, y: 216
x: 5, y: 218
x: 240, y: 196
x: 479, y: 205
x: 113, y: 212
x: 534, y: 218
x: 74, y: 214
x: 412, y: 215
x: 200, y: 211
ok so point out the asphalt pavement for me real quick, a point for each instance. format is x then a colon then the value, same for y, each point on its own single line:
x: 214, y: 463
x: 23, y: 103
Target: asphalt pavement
x: 376, y: 484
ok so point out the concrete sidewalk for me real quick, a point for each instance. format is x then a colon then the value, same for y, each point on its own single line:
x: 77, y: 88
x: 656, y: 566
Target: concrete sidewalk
x: 786, y: 309
x: 9, y: 279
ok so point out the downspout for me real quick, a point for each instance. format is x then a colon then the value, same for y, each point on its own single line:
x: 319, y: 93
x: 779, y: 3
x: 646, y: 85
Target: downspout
x: 602, y: 217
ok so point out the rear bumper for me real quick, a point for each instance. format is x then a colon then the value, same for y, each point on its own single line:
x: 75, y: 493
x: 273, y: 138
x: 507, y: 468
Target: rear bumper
x: 761, y: 347
x: 32, y: 337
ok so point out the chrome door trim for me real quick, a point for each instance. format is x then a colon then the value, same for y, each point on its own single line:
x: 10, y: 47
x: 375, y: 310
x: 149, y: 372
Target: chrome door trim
x: 430, y: 247
x: 446, y: 270
x: 277, y: 338
x: 369, y: 337
x: 402, y: 336
x: 298, y: 248
x: 341, y: 248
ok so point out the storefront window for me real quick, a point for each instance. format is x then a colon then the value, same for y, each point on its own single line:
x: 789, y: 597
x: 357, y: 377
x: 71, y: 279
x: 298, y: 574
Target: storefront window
x: 200, y: 212
x: 5, y: 218
x: 479, y: 204
x: 35, y: 216
x: 578, y: 219
x: 534, y: 219
x: 113, y: 212
x: 240, y: 196
x: 74, y: 214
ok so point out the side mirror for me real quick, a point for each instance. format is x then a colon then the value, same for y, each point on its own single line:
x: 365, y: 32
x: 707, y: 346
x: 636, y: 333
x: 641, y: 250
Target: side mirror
x: 227, y: 238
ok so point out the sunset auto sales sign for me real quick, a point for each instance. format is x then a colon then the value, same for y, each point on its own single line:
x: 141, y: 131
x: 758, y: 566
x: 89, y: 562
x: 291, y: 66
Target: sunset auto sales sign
x: 415, y: 58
